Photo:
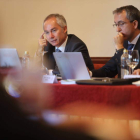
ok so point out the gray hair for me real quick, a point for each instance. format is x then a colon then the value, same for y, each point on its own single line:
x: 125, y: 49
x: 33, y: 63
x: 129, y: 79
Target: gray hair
x: 132, y: 13
x: 59, y: 18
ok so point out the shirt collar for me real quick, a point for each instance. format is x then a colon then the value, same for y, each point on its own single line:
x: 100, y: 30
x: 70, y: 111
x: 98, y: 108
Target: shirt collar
x: 134, y: 41
x: 62, y: 47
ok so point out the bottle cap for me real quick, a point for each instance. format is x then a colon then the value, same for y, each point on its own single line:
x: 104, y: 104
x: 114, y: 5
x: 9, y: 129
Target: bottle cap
x: 26, y: 52
x: 125, y: 50
x: 50, y: 72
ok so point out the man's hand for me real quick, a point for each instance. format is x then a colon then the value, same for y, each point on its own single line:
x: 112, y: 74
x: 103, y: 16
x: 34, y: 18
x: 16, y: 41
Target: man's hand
x: 90, y: 73
x: 42, y: 41
x: 136, y: 72
x: 119, y: 40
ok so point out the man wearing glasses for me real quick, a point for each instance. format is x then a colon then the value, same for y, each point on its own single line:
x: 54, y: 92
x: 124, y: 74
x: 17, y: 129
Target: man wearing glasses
x: 127, y: 23
x: 56, y: 39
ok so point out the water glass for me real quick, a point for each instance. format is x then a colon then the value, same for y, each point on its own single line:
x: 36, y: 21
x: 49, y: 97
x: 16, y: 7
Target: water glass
x: 133, y: 59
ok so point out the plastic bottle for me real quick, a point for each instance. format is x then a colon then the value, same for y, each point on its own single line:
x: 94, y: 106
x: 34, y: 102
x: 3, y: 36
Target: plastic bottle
x: 26, y: 60
x: 124, y: 66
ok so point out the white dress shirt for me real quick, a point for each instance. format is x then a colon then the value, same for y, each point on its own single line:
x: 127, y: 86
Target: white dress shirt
x: 134, y: 41
x: 62, y: 47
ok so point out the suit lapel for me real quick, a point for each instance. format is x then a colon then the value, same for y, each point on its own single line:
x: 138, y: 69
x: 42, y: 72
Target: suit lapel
x: 67, y: 44
x: 137, y: 46
x: 52, y: 60
x: 125, y: 44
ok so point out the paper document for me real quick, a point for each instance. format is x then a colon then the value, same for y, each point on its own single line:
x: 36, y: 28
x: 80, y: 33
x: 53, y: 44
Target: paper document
x: 137, y: 83
x: 131, y: 76
x: 68, y: 81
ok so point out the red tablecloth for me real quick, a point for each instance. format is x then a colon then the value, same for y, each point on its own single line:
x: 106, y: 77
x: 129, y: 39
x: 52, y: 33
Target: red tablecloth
x: 114, y: 96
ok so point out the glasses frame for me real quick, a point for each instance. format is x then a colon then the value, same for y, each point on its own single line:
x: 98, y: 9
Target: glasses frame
x: 121, y: 24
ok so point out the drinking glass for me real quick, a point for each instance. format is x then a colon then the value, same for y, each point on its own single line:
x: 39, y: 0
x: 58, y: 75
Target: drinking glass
x: 132, y: 59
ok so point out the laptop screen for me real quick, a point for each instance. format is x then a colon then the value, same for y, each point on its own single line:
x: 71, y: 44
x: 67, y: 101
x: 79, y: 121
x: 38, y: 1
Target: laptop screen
x: 9, y: 58
x: 71, y: 65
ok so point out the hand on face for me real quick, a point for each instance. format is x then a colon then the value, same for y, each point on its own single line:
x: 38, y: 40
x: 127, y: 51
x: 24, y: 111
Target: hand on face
x: 119, y: 40
x: 42, y: 41
x: 136, y: 72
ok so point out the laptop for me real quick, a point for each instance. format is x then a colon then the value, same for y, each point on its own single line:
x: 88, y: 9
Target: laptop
x: 71, y: 65
x: 107, y: 81
x: 9, y: 58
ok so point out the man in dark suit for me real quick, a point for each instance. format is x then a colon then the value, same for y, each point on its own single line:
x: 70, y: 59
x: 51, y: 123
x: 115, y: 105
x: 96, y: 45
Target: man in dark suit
x: 127, y: 23
x: 56, y: 39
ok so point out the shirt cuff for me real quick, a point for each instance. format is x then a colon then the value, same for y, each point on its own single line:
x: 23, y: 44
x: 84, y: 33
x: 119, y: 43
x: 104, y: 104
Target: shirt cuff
x: 90, y: 73
x: 117, y: 51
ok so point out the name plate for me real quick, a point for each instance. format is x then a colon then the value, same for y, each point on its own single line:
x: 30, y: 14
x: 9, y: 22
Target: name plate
x: 49, y: 79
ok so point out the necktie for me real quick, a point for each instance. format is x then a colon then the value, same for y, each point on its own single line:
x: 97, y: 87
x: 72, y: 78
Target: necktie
x: 130, y: 46
x: 57, y: 50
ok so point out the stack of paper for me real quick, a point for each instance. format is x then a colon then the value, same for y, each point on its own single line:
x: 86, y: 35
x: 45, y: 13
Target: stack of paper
x: 131, y: 76
x: 137, y: 83
x: 69, y: 81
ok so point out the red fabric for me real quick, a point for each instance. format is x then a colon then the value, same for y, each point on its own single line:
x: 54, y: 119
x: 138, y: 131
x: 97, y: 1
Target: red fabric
x: 98, y: 66
x: 113, y: 96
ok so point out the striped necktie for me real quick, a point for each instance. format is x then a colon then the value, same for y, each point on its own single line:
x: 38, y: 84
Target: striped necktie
x: 130, y: 46
x: 57, y: 50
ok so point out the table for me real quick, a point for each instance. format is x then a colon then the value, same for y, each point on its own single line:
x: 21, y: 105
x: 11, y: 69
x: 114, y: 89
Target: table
x: 112, y: 96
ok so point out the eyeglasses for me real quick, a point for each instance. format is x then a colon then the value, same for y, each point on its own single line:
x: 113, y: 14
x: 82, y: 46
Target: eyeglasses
x: 120, y: 24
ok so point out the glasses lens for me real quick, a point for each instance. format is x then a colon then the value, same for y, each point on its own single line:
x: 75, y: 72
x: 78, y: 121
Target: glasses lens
x: 114, y: 25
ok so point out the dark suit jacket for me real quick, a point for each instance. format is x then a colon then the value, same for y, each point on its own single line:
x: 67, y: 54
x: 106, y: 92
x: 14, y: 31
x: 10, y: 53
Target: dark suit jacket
x: 74, y: 44
x: 113, y: 66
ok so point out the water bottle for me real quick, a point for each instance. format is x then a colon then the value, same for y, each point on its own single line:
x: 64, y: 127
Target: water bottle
x: 124, y: 66
x: 26, y: 60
